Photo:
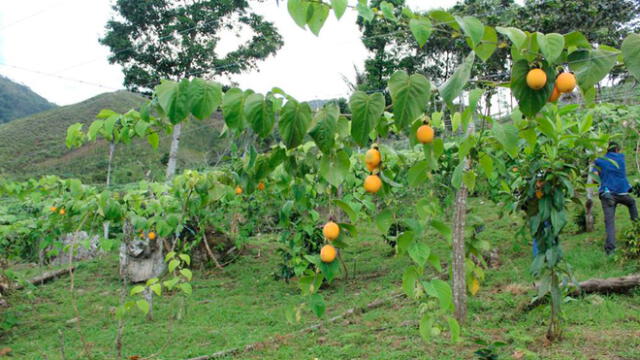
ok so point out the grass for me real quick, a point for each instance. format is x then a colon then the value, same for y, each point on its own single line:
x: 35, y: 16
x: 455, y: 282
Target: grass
x: 243, y: 304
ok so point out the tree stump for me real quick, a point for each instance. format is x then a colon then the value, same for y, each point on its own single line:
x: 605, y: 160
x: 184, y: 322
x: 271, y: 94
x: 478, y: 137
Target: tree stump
x: 140, y: 259
x: 80, y: 244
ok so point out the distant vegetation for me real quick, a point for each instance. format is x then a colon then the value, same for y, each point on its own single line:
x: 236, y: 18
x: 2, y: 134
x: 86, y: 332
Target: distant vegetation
x: 17, y: 101
x: 34, y: 145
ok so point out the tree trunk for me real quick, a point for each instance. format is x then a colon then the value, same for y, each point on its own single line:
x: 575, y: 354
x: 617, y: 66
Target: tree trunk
x: 588, y: 208
x: 459, y: 284
x: 173, y: 153
x: 112, y: 149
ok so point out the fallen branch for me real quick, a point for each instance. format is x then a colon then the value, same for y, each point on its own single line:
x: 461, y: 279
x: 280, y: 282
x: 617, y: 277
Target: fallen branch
x: 353, y: 311
x: 43, y: 278
x: 617, y: 285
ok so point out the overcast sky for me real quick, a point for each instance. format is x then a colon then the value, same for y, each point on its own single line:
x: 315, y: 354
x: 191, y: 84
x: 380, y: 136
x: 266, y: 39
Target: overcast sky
x: 52, y: 47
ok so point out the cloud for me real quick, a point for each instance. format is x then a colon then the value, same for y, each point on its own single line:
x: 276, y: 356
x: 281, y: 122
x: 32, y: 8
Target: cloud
x: 60, y: 38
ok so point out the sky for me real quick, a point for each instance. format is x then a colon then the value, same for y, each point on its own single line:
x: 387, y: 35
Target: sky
x: 52, y: 47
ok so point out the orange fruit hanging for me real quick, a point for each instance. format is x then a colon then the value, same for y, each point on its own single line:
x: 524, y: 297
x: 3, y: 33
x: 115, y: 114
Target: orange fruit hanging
x: 373, y: 158
x: 372, y: 183
x: 555, y: 94
x: 331, y: 231
x: 261, y: 186
x: 328, y: 253
x: 425, y: 134
x: 536, y: 79
x: 152, y: 235
x: 566, y: 82
x: 238, y: 190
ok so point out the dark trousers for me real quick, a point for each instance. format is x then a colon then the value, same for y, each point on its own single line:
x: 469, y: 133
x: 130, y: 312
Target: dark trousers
x: 609, y: 203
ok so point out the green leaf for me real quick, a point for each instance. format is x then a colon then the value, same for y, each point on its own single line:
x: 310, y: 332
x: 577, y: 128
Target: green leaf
x: 141, y: 128
x: 472, y: 27
x: 143, y: 305
x: 488, y: 45
x: 388, y: 10
x: 551, y: 46
x: 173, y: 265
x: 324, y: 132
x: 441, y: 290
x: 94, y: 128
x: 454, y: 329
x: 410, y: 95
x: 454, y: 85
x: 186, y: 288
x: 174, y: 100
x: 294, y: 123
x: 320, y: 13
x: 469, y: 180
x: 353, y: 215
x: 419, y: 253
x: 335, y: 168
x: 384, y: 220
x: 330, y: 270
x: 154, y: 140
x: 157, y: 289
x: 507, y: 135
x: 364, y: 10
x: 456, y: 178
x: 409, y: 279
x: 366, y: 111
x: 186, y: 273
x: 136, y: 290
x: 631, y: 54
x: 517, y: 36
x: 421, y: 29
x: 298, y: 11
x: 591, y: 66
x: 316, y: 301
x: 441, y: 227
x: 575, y: 40
x: 486, y: 163
x: 205, y: 97
x: 339, y: 7
x: 530, y: 101
x: 404, y: 241
x: 233, y: 108
x: 426, y: 324
x: 259, y: 113
x: 417, y: 175
x: 186, y: 258
x: 445, y: 18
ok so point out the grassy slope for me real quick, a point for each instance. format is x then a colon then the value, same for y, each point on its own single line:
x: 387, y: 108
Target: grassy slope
x: 17, y: 101
x: 35, y: 146
x: 243, y: 304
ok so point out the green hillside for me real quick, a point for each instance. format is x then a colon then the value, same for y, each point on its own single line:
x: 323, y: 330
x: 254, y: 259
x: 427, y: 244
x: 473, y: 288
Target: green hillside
x: 17, y: 101
x: 35, y: 145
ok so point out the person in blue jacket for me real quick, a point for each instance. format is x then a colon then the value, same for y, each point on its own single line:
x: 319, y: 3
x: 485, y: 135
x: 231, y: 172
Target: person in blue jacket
x: 614, y: 190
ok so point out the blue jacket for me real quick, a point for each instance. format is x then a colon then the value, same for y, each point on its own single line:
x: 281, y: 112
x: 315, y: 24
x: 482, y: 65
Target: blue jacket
x: 613, y: 178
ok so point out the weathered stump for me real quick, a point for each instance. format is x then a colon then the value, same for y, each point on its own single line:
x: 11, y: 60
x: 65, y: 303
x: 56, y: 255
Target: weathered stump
x: 140, y: 259
x: 79, y: 245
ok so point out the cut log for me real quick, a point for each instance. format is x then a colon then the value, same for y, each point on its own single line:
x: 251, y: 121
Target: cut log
x: 43, y: 278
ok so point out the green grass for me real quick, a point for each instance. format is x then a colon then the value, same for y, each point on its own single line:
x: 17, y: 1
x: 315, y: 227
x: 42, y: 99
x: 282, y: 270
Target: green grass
x: 244, y: 304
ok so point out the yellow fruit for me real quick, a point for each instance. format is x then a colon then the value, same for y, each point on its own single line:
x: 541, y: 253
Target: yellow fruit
x: 261, y: 186
x: 539, y: 194
x: 372, y: 184
x: 425, y: 134
x: 555, y: 95
x: 536, y: 79
x: 474, y: 287
x: 238, y: 190
x: 53, y: 209
x: 152, y: 236
x: 328, y: 253
x: 515, y: 169
x: 62, y: 212
x: 331, y: 231
x: 372, y: 158
x: 566, y: 82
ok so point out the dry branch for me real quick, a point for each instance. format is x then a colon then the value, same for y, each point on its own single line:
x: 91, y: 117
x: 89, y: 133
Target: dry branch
x: 353, y: 311
x: 41, y: 279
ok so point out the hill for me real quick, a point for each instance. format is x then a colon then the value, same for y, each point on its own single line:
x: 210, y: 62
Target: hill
x: 17, y: 101
x: 34, y: 146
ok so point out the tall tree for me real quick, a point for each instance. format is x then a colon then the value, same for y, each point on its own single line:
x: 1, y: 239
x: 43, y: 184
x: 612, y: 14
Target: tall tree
x: 156, y: 39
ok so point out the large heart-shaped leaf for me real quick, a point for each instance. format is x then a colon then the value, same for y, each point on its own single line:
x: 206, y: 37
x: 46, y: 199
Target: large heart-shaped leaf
x: 631, y: 54
x: 551, y: 46
x: 591, y: 66
x: 488, y: 45
x: 410, y: 95
x: 324, y: 132
x: 472, y: 28
x: 421, y: 29
x: 334, y: 168
x: 205, y: 97
x: 454, y: 85
x: 316, y: 16
x: 259, y: 113
x: 233, y: 108
x: 339, y: 7
x: 298, y: 11
x: 294, y: 122
x: 365, y: 113
x: 530, y: 101
x: 174, y: 99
